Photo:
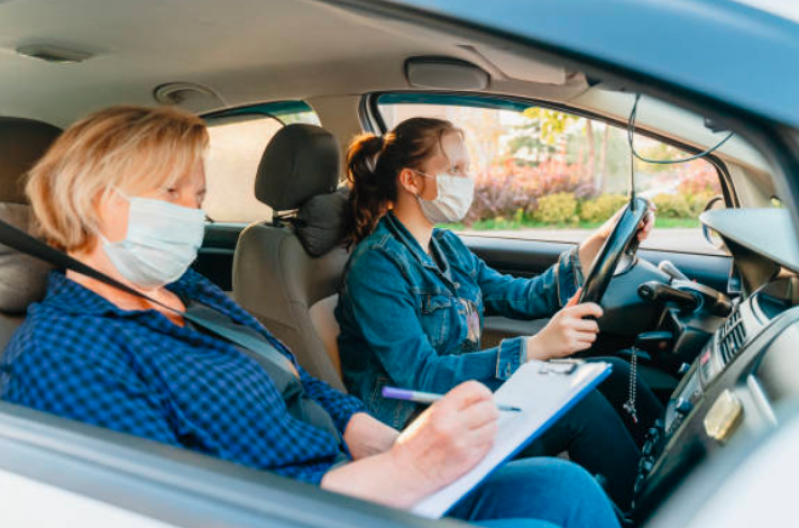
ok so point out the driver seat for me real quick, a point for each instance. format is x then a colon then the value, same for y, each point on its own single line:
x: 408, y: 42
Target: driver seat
x: 287, y: 272
x: 23, y: 279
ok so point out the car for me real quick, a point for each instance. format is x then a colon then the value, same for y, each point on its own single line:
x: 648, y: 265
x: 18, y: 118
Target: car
x: 547, y: 93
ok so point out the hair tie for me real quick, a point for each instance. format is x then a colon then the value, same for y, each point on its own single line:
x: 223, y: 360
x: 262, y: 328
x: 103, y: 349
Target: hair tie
x: 371, y: 163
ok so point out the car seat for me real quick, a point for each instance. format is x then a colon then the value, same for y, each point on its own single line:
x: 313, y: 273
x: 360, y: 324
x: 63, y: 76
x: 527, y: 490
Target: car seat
x: 287, y: 272
x: 23, y: 279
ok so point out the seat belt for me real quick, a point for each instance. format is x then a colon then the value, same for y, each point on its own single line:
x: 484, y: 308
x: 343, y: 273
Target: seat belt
x: 24, y: 243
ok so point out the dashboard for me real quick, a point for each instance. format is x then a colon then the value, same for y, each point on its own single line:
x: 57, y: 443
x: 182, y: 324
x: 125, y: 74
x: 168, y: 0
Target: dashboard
x: 733, y: 389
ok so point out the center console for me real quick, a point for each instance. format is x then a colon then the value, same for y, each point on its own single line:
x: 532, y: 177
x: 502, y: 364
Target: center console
x: 679, y: 439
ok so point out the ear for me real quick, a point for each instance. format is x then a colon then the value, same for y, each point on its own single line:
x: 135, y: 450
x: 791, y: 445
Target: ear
x: 410, y: 181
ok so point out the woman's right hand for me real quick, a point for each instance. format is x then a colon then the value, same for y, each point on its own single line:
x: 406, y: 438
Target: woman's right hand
x: 566, y: 333
x: 448, y: 439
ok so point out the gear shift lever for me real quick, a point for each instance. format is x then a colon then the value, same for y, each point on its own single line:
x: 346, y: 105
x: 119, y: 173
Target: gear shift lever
x: 667, y: 267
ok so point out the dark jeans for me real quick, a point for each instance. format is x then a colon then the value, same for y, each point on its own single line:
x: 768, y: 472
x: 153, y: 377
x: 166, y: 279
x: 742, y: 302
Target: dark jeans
x: 602, y: 437
x: 537, y: 493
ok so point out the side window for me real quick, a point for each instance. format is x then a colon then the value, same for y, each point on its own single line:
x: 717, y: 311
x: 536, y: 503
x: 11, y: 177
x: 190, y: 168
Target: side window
x: 238, y: 140
x: 548, y: 175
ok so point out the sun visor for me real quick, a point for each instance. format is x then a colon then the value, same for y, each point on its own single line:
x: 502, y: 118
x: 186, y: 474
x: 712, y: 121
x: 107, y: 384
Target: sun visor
x: 523, y: 68
x: 445, y: 74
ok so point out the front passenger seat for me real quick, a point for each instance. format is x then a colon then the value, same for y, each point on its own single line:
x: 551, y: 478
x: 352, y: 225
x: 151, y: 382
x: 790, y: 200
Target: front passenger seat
x: 287, y: 272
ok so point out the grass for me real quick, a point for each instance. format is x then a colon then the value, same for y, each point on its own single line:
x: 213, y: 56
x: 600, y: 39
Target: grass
x: 505, y: 224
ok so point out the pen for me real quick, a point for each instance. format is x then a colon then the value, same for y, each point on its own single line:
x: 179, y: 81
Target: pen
x: 394, y: 393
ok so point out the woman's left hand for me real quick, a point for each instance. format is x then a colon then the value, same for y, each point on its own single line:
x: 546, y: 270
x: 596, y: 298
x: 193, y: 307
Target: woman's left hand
x: 644, y: 229
x: 590, y: 247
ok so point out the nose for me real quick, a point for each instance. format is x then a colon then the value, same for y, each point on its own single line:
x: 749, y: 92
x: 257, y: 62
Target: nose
x: 190, y: 200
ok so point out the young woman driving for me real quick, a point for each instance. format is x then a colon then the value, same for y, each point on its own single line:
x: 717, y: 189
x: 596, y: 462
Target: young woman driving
x: 413, y: 300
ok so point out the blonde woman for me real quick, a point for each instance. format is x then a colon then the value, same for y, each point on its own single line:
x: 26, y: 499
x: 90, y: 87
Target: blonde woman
x: 122, y: 191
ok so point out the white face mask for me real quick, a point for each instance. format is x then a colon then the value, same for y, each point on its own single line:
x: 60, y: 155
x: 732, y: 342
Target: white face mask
x: 455, y: 196
x: 161, y: 243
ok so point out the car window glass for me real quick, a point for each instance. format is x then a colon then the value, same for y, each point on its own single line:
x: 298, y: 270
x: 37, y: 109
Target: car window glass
x: 548, y: 175
x: 237, y: 144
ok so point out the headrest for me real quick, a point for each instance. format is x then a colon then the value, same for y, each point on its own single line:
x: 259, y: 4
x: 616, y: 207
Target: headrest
x: 321, y: 222
x: 22, y: 144
x: 301, y: 161
x: 23, y: 279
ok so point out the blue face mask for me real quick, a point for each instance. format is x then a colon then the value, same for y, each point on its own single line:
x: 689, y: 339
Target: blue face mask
x: 161, y: 243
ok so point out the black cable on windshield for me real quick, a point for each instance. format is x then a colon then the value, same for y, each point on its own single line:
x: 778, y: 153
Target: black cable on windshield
x: 631, y: 134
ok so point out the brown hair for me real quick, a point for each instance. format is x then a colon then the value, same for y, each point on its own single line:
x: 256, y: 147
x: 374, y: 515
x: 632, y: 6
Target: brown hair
x: 134, y: 148
x: 374, y: 163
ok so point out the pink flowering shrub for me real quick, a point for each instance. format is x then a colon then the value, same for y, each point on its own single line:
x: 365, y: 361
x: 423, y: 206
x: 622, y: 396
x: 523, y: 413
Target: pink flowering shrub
x: 510, y: 190
x: 513, y: 192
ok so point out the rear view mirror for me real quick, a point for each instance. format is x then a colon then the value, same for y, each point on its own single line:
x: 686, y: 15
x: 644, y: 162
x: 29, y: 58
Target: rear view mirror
x: 714, y: 204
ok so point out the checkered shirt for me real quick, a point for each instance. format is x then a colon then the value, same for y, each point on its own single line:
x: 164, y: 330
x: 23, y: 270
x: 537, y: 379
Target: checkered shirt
x: 79, y: 356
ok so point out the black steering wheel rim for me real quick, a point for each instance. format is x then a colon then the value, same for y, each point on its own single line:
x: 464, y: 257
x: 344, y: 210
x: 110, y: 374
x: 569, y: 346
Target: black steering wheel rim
x: 621, y: 240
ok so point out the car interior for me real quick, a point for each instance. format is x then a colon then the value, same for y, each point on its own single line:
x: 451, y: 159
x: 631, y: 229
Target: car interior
x: 713, y: 329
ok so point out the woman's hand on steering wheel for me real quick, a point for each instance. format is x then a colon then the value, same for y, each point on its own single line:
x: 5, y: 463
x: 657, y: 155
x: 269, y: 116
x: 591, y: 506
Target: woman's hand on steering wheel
x: 644, y: 228
x: 567, y: 333
x: 632, y: 224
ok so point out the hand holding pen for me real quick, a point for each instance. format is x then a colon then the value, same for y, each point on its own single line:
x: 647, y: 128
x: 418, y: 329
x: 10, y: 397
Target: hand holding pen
x: 394, y: 393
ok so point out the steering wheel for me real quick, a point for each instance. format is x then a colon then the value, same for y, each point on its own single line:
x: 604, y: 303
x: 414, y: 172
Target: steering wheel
x: 622, y: 240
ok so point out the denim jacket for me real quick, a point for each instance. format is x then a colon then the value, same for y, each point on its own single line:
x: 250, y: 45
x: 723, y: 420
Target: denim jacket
x: 414, y: 321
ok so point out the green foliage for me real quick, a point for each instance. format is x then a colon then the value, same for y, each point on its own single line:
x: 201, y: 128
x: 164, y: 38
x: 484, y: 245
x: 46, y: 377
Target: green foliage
x: 552, y: 123
x: 558, y: 208
x: 682, y: 205
x: 698, y: 201
x: 526, y: 146
x: 601, y: 208
x: 672, y: 206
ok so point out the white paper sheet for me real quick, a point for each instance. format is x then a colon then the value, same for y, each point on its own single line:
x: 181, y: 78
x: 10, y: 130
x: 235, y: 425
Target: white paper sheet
x: 543, y: 398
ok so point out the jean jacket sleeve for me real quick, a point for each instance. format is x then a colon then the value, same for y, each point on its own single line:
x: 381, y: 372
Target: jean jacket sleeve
x: 388, y: 319
x: 538, y: 297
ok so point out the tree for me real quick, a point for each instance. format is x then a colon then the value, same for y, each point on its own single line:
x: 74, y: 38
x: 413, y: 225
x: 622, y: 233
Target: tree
x: 602, y: 173
x: 526, y: 145
x: 547, y: 132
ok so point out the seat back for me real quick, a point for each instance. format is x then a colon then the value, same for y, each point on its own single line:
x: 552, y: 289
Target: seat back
x: 23, y: 279
x: 287, y: 273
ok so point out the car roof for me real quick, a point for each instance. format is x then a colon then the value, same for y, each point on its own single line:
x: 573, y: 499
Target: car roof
x: 248, y: 51
x: 726, y: 51
x: 241, y: 51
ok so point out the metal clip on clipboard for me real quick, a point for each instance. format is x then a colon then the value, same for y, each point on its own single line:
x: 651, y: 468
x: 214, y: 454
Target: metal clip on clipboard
x: 560, y: 366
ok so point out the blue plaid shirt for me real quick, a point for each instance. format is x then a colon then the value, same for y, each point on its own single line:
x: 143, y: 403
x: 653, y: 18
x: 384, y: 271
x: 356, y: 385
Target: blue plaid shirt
x: 79, y: 356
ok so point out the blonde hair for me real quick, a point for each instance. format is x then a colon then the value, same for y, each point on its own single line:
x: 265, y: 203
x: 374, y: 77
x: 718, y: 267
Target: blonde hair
x: 133, y: 148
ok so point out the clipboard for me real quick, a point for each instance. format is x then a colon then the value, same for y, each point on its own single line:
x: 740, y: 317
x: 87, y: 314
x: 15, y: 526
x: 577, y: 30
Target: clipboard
x: 544, y: 391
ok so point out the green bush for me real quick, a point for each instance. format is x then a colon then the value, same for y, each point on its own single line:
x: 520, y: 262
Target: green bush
x: 558, y: 208
x: 698, y: 201
x: 673, y: 206
x: 602, y: 207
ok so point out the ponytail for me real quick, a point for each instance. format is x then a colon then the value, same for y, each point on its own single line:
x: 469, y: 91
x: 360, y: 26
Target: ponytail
x: 368, y: 197
x: 374, y: 163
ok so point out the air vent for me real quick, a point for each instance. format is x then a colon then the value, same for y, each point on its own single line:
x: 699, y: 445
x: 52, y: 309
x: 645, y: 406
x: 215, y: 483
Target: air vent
x: 191, y: 96
x: 732, y: 336
x: 53, y: 53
